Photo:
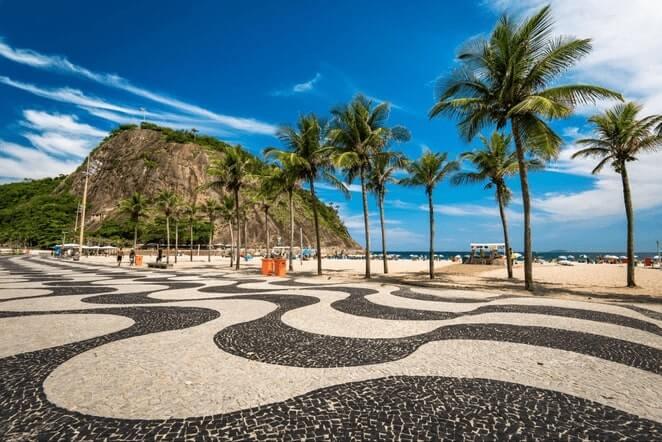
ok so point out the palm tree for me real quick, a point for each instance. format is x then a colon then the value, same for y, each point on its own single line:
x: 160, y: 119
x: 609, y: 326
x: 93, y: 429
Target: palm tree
x: 226, y: 211
x: 177, y: 215
x: 505, y: 80
x: 620, y: 137
x: 359, y: 132
x: 384, y: 165
x: 494, y: 163
x: 231, y: 173
x: 136, y: 207
x: 167, y: 202
x: 191, y: 211
x: 428, y: 171
x: 307, y: 151
x: 287, y: 178
x: 211, y: 208
x: 267, y: 196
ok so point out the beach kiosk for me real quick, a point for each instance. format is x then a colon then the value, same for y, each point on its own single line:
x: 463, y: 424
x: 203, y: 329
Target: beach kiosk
x: 487, y: 253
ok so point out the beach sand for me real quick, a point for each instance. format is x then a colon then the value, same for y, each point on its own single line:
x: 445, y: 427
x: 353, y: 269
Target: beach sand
x: 581, y: 280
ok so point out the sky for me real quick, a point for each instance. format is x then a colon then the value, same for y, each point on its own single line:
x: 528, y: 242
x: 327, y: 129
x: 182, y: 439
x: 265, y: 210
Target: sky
x: 72, y: 71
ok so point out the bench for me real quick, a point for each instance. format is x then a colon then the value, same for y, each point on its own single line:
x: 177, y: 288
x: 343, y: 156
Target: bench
x: 158, y: 265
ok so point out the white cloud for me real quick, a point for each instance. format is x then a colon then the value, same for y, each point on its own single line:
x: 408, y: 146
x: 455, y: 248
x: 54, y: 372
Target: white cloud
x: 354, y: 188
x: 627, y: 41
x: 299, y: 88
x: 59, y: 123
x: 18, y: 162
x: 59, y: 144
x: 61, y: 64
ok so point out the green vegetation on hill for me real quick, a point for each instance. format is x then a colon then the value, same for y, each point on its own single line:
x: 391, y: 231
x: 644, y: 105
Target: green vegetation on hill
x: 33, y: 214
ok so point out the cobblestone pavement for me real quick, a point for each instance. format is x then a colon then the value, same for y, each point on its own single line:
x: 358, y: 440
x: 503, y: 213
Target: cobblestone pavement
x: 101, y: 353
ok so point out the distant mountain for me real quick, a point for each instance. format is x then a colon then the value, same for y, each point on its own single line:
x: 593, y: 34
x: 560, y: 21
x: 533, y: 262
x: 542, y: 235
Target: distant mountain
x: 147, y: 159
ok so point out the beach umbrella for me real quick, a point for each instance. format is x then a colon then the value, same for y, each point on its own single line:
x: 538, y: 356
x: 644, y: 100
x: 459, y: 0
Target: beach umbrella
x: 516, y: 255
x: 563, y: 257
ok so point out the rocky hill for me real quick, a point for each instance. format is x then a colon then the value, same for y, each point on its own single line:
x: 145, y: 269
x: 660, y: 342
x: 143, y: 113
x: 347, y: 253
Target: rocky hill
x: 149, y: 159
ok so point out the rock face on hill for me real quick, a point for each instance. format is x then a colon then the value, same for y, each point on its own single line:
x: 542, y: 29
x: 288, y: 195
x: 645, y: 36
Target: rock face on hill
x: 148, y: 161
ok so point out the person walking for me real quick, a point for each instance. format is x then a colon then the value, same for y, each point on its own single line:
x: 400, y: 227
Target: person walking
x: 132, y: 257
x: 120, y: 254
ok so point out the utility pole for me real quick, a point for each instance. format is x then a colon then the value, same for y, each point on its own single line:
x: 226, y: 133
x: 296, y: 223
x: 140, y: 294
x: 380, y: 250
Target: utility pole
x: 82, y: 218
x: 659, y: 258
x: 300, y: 245
x: 77, y: 214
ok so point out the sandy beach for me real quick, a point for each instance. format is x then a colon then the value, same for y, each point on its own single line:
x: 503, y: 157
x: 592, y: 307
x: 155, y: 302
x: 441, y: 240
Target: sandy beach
x: 580, y: 280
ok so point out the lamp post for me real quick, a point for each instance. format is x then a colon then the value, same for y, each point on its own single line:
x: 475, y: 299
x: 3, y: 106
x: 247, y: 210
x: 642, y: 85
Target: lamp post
x: 84, y: 204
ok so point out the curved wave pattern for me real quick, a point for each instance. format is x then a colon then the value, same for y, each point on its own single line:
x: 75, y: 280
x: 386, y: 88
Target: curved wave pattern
x: 393, y: 407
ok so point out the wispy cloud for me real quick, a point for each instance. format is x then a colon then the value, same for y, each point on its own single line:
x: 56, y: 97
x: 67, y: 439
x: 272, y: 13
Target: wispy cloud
x: 63, y: 65
x: 299, y: 88
x: 18, y: 162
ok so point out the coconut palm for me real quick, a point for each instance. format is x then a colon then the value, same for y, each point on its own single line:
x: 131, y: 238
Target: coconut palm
x: 211, y: 209
x: 136, y: 207
x: 231, y: 173
x: 167, y: 201
x: 494, y: 163
x: 505, y: 80
x: 358, y: 132
x: 620, y: 137
x: 191, y: 212
x: 227, y: 211
x: 306, y: 150
x: 428, y: 171
x: 287, y: 178
x: 267, y: 196
x: 383, y: 167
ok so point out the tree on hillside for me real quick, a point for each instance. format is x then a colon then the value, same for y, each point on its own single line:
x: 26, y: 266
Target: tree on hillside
x: 428, y: 171
x: 227, y: 211
x: 620, y: 137
x: 136, y: 207
x: 505, y: 79
x: 494, y: 163
x: 306, y: 149
x: 358, y: 132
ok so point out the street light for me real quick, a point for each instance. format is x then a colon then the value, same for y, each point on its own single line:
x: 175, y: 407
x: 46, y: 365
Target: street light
x: 90, y: 169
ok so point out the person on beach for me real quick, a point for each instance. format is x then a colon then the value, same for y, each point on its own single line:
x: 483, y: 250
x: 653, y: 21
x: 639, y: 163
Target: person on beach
x: 120, y: 254
x: 132, y: 257
x: 159, y: 255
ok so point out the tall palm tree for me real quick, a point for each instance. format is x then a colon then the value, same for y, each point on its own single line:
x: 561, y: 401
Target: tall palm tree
x: 620, y: 137
x: 494, y: 163
x: 231, y: 173
x: 177, y: 215
x: 267, y: 196
x: 211, y: 209
x: 307, y: 150
x: 358, y: 132
x: 505, y: 80
x: 287, y: 178
x: 384, y: 165
x: 191, y: 212
x: 428, y: 171
x: 167, y: 201
x: 227, y: 211
x: 136, y: 207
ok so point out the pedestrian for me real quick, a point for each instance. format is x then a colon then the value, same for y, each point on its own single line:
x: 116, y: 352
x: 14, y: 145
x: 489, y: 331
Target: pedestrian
x: 120, y: 254
x: 159, y: 255
x: 132, y: 257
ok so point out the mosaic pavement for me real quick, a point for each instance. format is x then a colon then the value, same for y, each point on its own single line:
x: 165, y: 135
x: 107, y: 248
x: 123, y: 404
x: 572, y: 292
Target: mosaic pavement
x: 93, y: 353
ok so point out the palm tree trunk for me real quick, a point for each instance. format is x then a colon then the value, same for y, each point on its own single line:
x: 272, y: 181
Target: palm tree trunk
x: 526, y: 202
x: 135, y: 236
x: 380, y: 201
x: 191, y: 231
x: 236, y: 206
x: 176, y: 239
x: 317, y: 227
x: 366, y: 224
x: 266, y: 228
x: 506, y: 240
x: 290, y: 195
x: 167, y: 240
x: 431, y: 256
x: 211, y: 238
x: 627, y: 197
x: 231, y: 244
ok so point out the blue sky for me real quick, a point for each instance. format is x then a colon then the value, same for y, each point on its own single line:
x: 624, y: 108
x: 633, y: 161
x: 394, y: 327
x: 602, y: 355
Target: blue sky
x: 70, y: 72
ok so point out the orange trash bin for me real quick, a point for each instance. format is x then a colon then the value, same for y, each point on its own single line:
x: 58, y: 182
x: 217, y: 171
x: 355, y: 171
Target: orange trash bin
x: 267, y: 266
x: 139, y: 260
x: 280, y: 267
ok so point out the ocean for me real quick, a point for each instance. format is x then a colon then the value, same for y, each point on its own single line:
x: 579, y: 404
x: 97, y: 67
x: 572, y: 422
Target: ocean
x: 544, y: 255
